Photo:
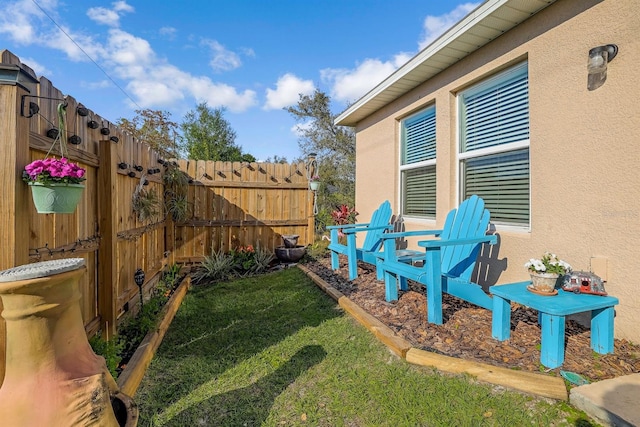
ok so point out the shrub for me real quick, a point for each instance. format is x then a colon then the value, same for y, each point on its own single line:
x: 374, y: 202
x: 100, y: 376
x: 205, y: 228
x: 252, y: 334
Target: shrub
x: 111, y: 351
x: 215, y: 267
x: 239, y: 262
x: 262, y: 259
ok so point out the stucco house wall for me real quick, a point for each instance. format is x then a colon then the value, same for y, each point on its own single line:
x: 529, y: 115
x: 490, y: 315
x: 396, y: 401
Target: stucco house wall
x: 584, y: 146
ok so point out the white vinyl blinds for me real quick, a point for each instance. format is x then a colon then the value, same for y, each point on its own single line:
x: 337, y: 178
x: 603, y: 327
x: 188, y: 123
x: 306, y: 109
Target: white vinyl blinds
x: 494, y: 145
x: 418, y: 168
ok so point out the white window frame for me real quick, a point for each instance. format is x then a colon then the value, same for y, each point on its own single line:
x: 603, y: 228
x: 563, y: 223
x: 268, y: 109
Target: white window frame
x: 412, y: 166
x: 496, y: 149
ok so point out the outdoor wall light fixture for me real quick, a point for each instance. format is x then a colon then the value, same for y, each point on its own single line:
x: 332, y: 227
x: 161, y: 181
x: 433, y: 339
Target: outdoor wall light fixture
x: 123, y: 165
x: 115, y: 139
x: 93, y: 124
x: 105, y: 131
x: 75, y: 140
x: 132, y: 174
x: 599, y: 57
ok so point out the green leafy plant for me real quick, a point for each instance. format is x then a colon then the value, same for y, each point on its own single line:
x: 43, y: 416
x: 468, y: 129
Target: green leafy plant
x: 215, y: 267
x: 239, y: 262
x: 175, y: 179
x: 168, y: 281
x: 176, y: 206
x: 176, y: 182
x: 262, y: 259
x: 145, y: 203
x: 110, y: 350
x: 243, y: 259
x: 132, y: 331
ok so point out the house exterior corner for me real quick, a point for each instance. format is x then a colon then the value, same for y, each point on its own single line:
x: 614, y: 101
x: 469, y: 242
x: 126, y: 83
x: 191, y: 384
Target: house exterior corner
x: 560, y: 176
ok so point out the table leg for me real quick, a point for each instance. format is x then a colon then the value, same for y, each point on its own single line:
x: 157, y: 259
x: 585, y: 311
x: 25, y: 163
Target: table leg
x: 602, y: 330
x: 552, y: 348
x: 501, y: 318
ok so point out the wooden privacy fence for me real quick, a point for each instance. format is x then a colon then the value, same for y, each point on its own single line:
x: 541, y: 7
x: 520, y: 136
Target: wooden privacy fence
x: 236, y: 204
x: 230, y: 204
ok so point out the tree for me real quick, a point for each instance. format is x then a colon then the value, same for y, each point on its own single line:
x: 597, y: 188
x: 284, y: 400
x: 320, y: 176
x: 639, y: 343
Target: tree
x: 276, y: 159
x: 155, y: 128
x: 335, y: 149
x: 209, y: 136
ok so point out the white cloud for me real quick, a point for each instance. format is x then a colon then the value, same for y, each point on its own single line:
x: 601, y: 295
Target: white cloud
x: 222, y: 95
x: 16, y: 20
x: 122, y: 6
x: 350, y: 85
x: 221, y: 58
x: 287, y: 92
x: 110, y: 17
x: 435, y: 26
x: 72, y: 44
x: 127, y: 50
x: 168, y: 32
x: 37, y: 67
x: 104, y: 16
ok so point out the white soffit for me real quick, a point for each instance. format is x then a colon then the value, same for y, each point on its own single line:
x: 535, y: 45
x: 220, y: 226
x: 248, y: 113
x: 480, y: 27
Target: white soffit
x: 487, y: 22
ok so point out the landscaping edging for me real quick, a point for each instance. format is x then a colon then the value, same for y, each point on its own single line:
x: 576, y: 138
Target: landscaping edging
x: 528, y: 382
x: 130, y: 378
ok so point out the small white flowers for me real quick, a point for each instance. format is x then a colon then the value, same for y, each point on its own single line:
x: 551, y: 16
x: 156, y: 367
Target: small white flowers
x: 548, y: 264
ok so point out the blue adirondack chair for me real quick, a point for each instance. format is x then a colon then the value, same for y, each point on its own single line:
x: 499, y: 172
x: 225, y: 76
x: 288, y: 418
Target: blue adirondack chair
x: 449, y: 260
x: 371, y: 246
x: 371, y: 249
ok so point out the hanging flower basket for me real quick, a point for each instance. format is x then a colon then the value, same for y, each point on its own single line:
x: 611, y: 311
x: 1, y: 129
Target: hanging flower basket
x: 56, y: 184
x: 314, y: 183
x: 56, y: 198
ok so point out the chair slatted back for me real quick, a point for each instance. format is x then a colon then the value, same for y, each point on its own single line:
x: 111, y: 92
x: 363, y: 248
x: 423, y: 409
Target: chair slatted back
x: 470, y: 220
x: 380, y: 218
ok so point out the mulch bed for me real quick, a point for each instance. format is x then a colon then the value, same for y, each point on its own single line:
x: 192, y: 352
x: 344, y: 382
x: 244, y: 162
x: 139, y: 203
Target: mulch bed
x: 466, y: 331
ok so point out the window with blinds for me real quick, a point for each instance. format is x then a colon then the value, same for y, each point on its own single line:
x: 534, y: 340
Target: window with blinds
x: 418, y: 164
x: 494, y: 145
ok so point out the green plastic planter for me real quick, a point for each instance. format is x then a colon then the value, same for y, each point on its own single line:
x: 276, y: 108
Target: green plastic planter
x: 56, y: 198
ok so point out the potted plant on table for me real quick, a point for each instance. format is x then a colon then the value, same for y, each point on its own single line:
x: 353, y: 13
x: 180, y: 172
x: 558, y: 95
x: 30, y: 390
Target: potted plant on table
x: 546, y: 271
x: 56, y: 184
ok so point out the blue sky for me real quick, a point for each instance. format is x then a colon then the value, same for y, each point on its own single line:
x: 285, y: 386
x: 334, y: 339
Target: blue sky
x: 251, y: 57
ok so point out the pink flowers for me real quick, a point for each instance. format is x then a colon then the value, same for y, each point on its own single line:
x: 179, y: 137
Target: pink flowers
x: 50, y: 170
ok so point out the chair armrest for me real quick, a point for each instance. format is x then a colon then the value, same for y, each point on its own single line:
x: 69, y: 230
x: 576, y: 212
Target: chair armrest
x: 401, y: 234
x: 331, y: 227
x: 359, y: 229
x: 491, y: 239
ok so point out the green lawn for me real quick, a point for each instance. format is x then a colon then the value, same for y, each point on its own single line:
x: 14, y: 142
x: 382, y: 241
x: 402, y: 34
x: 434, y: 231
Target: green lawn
x: 274, y: 350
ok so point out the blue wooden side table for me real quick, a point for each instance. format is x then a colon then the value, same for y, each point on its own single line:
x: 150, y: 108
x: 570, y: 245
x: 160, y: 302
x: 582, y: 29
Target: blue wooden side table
x: 552, y: 311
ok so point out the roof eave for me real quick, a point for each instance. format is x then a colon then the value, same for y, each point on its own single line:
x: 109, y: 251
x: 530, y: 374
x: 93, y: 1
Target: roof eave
x: 399, y: 83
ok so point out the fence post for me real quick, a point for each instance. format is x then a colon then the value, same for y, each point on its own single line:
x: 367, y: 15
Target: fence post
x: 107, y: 220
x: 14, y: 205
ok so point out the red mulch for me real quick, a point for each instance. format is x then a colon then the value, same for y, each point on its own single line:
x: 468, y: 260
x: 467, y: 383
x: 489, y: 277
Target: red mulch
x: 466, y: 331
